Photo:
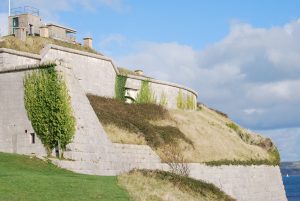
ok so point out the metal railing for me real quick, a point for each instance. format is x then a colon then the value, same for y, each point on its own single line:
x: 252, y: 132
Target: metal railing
x: 25, y: 10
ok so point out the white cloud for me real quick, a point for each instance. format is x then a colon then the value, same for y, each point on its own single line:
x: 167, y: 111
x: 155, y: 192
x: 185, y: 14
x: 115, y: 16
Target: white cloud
x: 111, y: 39
x: 253, y: 111
x: 281, y: 91
x: 253, y: 74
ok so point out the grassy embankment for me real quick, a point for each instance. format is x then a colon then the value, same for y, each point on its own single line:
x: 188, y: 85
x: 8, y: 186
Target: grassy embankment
x: 160, y: 186
x: 35, y: 44
x: 22, y: 178
x: 200, y: 136
x: 29, y: 179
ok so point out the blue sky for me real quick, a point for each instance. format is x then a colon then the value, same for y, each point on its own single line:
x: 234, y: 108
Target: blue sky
x: 241, y: 56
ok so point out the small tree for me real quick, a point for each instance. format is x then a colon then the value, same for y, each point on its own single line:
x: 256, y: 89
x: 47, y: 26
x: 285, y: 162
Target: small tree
x: 145, y: 95
x: 48, y: 107
x: 175, y: 160
x: 180, y: 101
x: 190, y: 103
x: 163, y: 99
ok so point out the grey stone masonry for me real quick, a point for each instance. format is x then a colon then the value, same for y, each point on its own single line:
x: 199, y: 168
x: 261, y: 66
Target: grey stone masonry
x: 96, y: 73
x: 159, y: 88
x: 245, y: 183
x: 9, y: 59
x: 15, y: 127
x: 91, y: 152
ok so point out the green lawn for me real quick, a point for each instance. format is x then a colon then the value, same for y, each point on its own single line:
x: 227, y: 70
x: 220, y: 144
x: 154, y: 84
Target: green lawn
x: 24, y: 178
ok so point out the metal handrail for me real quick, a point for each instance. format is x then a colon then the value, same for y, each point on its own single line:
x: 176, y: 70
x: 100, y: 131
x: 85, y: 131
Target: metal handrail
x: 25, y: 10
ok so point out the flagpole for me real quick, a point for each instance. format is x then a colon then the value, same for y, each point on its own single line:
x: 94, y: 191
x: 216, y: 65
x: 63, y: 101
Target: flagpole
x: 8, y: 7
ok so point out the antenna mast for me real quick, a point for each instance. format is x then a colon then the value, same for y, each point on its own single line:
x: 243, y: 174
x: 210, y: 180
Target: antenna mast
x: 8, y: 7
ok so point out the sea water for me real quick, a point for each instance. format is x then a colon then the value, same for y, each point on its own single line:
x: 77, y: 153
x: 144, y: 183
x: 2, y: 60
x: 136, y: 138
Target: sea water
x: 292, y: 187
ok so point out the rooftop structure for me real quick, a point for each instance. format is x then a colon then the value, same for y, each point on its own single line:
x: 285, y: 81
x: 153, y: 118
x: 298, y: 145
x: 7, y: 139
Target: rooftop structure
x: 27, y: 19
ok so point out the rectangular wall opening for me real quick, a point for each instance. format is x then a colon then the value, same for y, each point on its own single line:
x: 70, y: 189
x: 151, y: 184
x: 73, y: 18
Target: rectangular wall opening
x: 32, y: 139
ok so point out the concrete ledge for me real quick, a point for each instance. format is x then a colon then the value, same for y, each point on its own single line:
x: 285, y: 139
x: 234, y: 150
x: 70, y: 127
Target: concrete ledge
x: 69, y: 50
x: 19, y: 53
x: 24, y: 67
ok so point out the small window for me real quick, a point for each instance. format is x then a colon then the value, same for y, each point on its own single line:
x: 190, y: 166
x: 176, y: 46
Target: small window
x: 32, y: 138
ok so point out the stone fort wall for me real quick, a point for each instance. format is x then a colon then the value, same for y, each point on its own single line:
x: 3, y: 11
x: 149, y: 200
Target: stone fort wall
x: 96, y: 73
x: 91, y: 152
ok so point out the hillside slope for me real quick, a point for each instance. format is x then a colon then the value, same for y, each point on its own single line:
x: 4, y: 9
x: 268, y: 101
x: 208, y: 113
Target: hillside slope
x: 198, y: 136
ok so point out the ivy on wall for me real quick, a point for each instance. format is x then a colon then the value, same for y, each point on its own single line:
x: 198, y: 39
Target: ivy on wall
x: 146, y: 95
x: 120, y: 87
x: 48, y: 107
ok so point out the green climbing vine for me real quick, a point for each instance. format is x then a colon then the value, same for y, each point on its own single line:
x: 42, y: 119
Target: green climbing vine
x: 120, y: 87
x: 48, y: 107
x: 146, y: 95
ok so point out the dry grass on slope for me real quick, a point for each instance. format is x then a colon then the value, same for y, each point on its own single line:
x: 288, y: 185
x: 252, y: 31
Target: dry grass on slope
x: 135, y: 119
x: 35, y: 44
x: 213, y: 139
x: 197, y: 136
x: 163, y: 186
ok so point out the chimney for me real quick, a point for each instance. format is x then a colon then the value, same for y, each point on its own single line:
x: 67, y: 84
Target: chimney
x: 44, y: 32
x: 88, y: 42
x: 20, y: 33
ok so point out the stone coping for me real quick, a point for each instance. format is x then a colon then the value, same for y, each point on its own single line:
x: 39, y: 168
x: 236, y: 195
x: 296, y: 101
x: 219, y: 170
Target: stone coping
x: 24, y: 67
x: 162, y: 83
x: 19, y: 53
x: 45, y: 50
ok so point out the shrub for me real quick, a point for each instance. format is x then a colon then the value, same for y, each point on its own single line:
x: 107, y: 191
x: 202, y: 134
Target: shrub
x: 163, y: 99
x: 233, y: 126
x: 175, y: 160
x: 145, y: 95
x: 48, y: 107
x: 190, y: 103
x: 120, y: 87
x: 180, y: 101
